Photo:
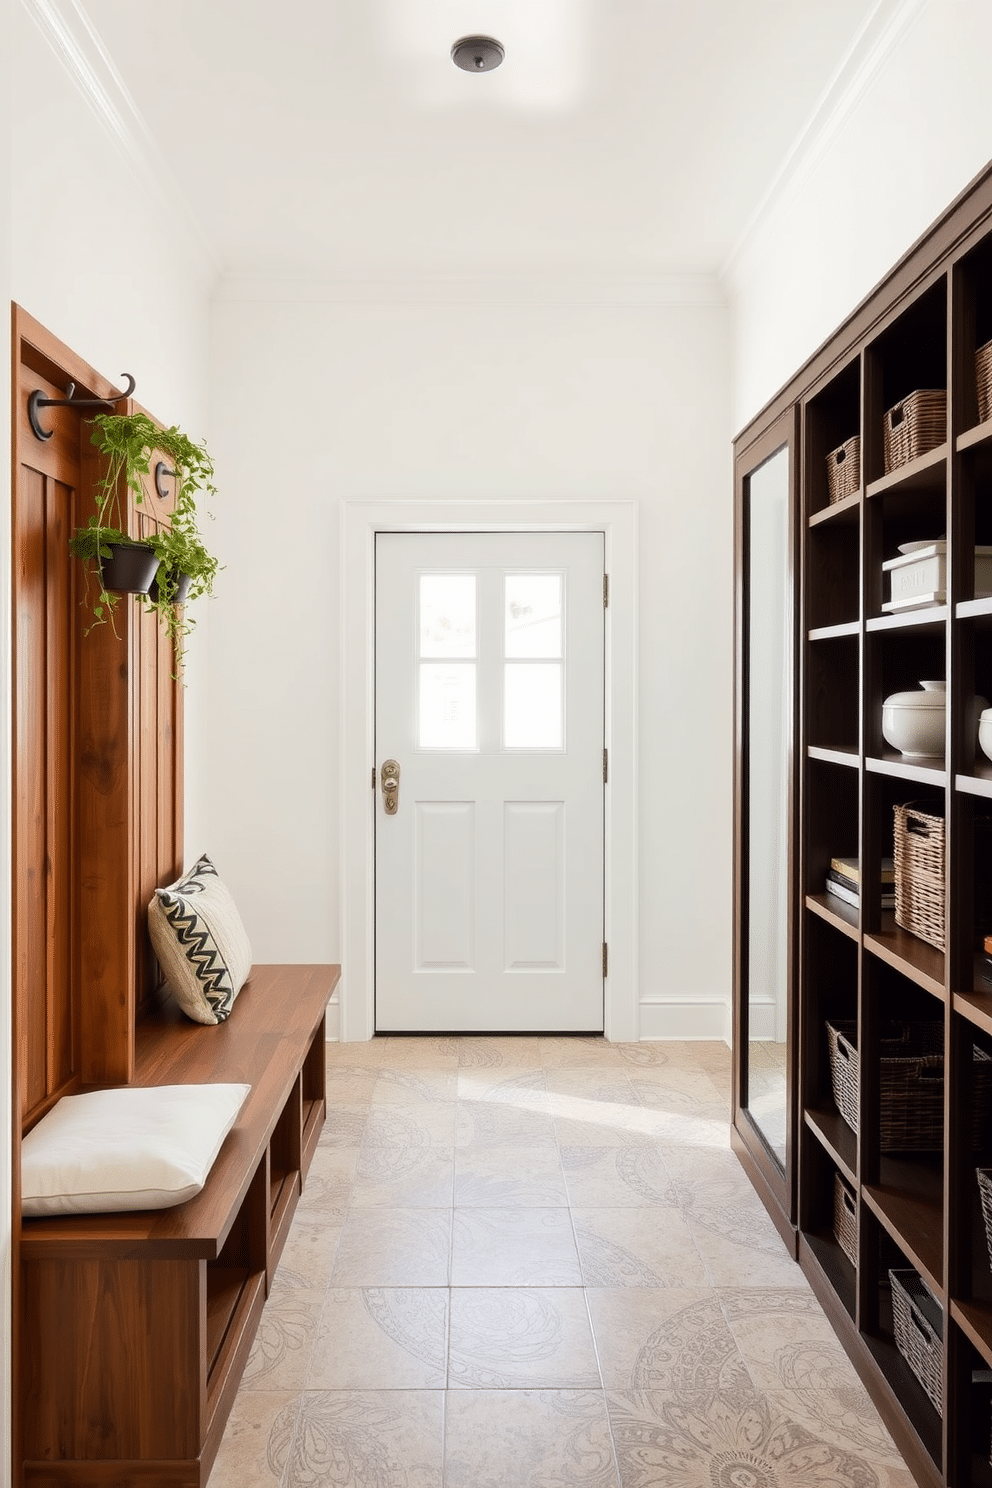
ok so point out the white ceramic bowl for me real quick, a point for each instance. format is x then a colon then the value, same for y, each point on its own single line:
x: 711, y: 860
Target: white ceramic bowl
x: 913, y: 722
x: 985, y: 732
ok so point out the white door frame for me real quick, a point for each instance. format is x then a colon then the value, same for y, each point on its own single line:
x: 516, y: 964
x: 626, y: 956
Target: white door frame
x: 360, y: 521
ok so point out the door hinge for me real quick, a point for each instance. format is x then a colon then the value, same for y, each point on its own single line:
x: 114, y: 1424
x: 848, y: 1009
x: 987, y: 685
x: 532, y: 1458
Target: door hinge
x: 606, y: 765
x: 606, y: 590
x: 606, y: 959
x: 373, y: 777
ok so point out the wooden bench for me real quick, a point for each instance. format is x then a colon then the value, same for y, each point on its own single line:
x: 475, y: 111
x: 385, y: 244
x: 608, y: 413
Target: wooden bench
x: 135, y: 1328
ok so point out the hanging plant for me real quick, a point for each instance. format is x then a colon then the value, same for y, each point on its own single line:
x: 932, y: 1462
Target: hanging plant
x: 181, y: 567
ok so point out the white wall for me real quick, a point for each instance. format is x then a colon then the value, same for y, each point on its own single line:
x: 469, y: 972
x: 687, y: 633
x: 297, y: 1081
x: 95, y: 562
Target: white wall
x: 488, y: 398
x: 893, y: 152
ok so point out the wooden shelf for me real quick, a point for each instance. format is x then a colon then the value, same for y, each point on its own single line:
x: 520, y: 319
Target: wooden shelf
x: 928, y: 472
x: 973, y: 609
x: 835, y: 632
x: 909, y: 1202
x: 844, y: 917
x: 909, y: 620
x: 899, y: 768
x: 841, y: 513
x: 978, y: 782
x: 980, y: 434
x: 907, y: 953
x: 837, y: 1139
x: 835, y: 755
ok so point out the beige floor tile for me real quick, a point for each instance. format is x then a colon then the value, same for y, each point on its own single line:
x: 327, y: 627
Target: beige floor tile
x: 403, y: 1177
x: 393, y: 1248
x: 847, y: 1420
x: 655, y: 1338
x: 785, y: 1340
x: 367, y: 1051
x: 548, y: 1436
x: 743, y: 1250
x: 408, y: 1084
x: 616, y: 1177
x: 508, y: 1088
x: 603, y: 1083
x: 481, y: 1123
x: 308, y: 1254
x: 350, y: 1084
x: 709, y: 1179
x: 381, y: 1338
x: 328, y: 1185
x: 681, y: 1092
x: 423, y: 1124
x: 345, y: 1126
x: 578, y: 1052
x: 597, y: 1124
x: 368, y: 1439
x: 428, y: 1052
x: 519, y: 1338
x: 495, y: 1052
x: 513, y: 1247
x: 280, y: 1355
x: 259, y: 1433
x: 637, y: 1248
x: 503, y: 1177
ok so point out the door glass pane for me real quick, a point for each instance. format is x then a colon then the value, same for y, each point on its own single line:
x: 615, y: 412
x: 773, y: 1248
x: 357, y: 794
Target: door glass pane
x: 532, y: 713
x: 447, y: 705
x: 533, y: 615
x: 447, y: 614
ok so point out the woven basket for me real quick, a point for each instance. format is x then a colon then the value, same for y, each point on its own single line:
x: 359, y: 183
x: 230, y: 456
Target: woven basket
x: 918, y: 1323
x: 914, y: 426
x: 844, y: 469
x: 984, y: 1176
x: 983, y: 381
x: 846, y: 1219
x: 919, y: 865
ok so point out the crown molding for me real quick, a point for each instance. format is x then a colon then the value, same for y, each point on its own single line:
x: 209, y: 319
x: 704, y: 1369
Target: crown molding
x: 871, y: 47
x: 86, y: 61
x: 538, y: 289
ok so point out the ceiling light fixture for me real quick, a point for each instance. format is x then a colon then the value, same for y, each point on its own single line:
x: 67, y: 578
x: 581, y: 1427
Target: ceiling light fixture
x: 477, y: 53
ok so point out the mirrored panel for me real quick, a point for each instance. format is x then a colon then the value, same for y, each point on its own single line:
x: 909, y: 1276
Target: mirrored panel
x: 769, y: 725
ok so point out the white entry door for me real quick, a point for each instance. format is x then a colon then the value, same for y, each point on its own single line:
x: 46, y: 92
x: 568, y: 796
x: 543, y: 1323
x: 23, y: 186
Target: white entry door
x: 489, y: 802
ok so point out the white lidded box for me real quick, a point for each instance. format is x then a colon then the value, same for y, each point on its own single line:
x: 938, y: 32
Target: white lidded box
x: 919, y: 575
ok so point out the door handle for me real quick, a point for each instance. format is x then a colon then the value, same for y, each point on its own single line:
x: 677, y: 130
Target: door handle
x: 390, y: 777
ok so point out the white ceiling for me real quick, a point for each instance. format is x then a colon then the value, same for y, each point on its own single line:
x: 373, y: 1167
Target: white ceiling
x: 336, y: 137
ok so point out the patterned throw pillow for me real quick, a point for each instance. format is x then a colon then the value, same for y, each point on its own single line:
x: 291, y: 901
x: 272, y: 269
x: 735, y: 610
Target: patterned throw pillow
x: 200, y: 942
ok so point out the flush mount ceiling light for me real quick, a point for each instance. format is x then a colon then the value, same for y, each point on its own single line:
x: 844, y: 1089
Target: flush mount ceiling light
x: 477, y: 53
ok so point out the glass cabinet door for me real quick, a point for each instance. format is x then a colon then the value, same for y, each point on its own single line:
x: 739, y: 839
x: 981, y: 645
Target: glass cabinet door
x: 766, y: 733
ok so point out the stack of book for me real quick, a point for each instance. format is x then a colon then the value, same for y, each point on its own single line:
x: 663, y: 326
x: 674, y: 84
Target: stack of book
x: 844, y: 880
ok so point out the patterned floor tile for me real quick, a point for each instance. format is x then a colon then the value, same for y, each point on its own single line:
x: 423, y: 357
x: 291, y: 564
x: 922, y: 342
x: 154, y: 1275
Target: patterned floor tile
x: 636, y: 1247
x: 403, y: 1177
x: 653, y: 1339
x: 280, y: 1354
x: 365, y: 1439
x: 408, y: 1084
x: 246, y: 1459
x: 740, y: 1249
x: 350, y: 1084
x: 309, y: 1252
x: 513, y: 1247
x: 393, y: 1248
x: 785, y: 1340
x: 345, y: 1125
x: 328, y: 1185
x: 521, y: 1337
x: 578, y: 1052
x: 617, y: 1177
x: 423, y: 1124
x: 495, y: 1053
x: 429, y: 1052
x: 549, y: 1437
x: 512, y: 1089
x: 482, y: 1123
x: 381, y: 1338
x: 502, y: 1177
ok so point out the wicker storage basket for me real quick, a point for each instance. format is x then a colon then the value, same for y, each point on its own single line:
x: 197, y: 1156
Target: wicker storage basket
x: 918, y: 1323
x: 984, y: 1176
x: 911, y: 1084
x: 914, y: 426
x: 844, y: 469
x: 983, y: 381
x: 919, y: 864
x: 846, y: 1219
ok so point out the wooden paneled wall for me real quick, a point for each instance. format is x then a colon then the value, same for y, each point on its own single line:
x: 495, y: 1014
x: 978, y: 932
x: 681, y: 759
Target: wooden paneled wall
x: 97, y: 759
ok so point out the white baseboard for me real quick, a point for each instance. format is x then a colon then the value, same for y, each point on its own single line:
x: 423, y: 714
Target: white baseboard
x: 685, y: 1020
x: 332, y: 1021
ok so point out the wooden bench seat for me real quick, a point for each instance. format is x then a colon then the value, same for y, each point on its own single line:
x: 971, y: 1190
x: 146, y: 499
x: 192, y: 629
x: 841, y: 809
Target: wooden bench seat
x: 135, y: 1328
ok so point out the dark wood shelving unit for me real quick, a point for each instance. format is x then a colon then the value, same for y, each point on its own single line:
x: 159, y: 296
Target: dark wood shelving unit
x: 919, y: 329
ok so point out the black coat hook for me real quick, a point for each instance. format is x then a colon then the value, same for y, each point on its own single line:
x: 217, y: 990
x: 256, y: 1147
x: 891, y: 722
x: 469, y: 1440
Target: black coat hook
x: 162, y: 474
x: 38, y: 400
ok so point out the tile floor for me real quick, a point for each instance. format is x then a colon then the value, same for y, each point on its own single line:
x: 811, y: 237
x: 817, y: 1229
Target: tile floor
x: 535, y: 1263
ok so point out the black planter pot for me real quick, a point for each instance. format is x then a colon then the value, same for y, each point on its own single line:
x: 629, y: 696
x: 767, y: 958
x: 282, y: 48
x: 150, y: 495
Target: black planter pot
x: 182, y: 590
x: 130, y: 569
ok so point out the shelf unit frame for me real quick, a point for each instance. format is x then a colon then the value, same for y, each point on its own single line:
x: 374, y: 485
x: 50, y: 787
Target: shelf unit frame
x: 921, y: 324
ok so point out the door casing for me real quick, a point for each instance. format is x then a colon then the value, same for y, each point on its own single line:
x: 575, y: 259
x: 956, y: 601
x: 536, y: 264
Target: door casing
x: 360, y: 521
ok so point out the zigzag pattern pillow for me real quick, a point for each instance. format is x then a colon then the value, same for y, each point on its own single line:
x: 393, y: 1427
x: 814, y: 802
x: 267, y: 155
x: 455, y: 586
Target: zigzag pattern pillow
x: 201, y: 944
